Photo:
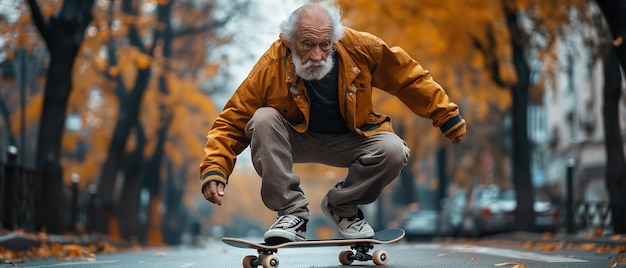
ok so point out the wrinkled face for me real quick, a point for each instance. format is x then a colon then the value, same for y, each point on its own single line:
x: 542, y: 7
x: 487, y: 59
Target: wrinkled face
x: 313, y: 47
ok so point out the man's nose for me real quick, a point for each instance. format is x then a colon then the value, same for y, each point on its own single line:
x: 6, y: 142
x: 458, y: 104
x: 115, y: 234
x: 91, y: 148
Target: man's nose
x: 317, y: 54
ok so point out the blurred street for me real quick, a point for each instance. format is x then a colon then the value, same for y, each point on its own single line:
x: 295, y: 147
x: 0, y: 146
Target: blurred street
x: 504, y: 250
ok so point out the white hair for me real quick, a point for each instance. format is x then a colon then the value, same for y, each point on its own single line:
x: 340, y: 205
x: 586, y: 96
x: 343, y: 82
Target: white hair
x: 289, y: 27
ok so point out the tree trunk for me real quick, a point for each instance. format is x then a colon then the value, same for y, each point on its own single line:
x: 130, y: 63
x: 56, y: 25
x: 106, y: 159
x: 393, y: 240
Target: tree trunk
x: 174, y: 220
x: 63, y: 34
x: 524, y: 212
x: 616, y: 162
x: 129, y: 116
x: 129, y: 200
x: 614, y: 11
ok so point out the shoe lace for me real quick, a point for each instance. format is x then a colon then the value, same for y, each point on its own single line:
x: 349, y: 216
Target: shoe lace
x: 287, y: 221
x: 357, y: 224
x: 357, y: 221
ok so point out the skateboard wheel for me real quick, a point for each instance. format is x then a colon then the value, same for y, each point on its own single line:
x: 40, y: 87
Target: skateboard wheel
x: 269, y: 261
x: 248, y: 261
x: 379, y: 257
x: 345, y: 257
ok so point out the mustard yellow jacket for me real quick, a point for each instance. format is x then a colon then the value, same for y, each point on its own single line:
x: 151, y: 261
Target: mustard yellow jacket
x: 364, y: 61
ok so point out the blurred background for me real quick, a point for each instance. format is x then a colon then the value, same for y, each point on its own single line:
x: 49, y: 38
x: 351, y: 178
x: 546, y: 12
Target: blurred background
x: 105, y: 106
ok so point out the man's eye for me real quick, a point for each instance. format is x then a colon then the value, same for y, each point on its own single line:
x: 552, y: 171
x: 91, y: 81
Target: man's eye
x: 308, y: 45
x: 325, y: 46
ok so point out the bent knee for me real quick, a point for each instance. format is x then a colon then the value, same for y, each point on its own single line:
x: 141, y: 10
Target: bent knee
x: 395, y: 150
x: 265, y: 114
x: 263, y: 118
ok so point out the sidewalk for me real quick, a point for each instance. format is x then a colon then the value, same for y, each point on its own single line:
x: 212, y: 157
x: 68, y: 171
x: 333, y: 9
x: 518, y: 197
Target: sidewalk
x: 18, y: 241
x: 581, y: 241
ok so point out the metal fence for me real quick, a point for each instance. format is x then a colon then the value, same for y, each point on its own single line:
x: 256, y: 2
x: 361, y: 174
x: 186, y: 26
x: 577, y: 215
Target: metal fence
x: 17, y: 205
x: 16, y: 195
x: 589, y: 216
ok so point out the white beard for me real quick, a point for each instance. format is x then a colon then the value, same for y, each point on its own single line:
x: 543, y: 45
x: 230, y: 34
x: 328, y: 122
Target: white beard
x: 313, y: 70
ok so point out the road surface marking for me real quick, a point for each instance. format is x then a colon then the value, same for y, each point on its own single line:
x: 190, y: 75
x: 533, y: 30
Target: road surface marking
x: 509, y: 253
x: 74, y: 263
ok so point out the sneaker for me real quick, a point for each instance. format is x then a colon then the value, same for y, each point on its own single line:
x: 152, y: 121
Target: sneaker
x: 352, y: 227
x: 287, y: 228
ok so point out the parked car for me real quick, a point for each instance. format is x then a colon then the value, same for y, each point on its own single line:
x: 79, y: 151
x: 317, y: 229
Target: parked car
x: 547, y: 214
x: 451, y: 214
x: 420, y: 223
x: 487, y: 209
x: 486, y: 212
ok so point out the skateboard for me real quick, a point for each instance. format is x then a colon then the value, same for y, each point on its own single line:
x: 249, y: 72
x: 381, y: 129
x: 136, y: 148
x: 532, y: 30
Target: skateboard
x: 359, y: 248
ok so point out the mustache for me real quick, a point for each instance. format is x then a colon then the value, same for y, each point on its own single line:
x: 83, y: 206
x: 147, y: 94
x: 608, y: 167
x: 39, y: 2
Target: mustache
x: 317, y: 63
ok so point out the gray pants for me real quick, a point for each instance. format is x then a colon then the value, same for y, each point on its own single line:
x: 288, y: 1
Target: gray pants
x: 372, y: 162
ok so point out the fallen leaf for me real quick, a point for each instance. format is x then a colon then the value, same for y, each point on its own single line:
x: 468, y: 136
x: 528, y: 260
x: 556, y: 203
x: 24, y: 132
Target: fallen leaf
x: 598, y: 232
x: 601, y: 250
x: 442, y: 255
x: 474, y: 259
x: 73, y: 251
x: 549, y: 248
x: 160, y: 254
x: 588, y: 246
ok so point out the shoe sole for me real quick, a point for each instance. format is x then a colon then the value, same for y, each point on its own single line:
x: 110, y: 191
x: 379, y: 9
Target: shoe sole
x: 278, y: 236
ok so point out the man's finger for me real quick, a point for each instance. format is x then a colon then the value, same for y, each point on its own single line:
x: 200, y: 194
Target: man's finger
x: 220, y: 189
x: 211, y: 193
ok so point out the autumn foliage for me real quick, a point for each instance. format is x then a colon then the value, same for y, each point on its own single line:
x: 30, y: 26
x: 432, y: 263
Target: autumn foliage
x: 464, y: 44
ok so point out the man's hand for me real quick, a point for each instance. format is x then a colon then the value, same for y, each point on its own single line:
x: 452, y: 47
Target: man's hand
x: 457, y: 140
x: 214, y: 191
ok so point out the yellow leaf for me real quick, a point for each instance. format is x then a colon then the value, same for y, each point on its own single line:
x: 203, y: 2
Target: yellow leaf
x: 549, y: 248
x: 113, y: 70
x: 143, y: 61
x: 598, y: 232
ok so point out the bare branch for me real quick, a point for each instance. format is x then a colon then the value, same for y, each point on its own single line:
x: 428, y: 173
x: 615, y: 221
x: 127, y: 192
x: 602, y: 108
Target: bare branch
x: 39, y: 20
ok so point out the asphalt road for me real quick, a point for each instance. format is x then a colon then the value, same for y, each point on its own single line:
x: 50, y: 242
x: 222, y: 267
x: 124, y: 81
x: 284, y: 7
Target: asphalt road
x: 401, y: 254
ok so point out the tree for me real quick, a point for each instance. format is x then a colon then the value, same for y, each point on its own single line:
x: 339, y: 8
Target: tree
x: 524, y: 212
x: 614, y: 11
x: 63, y: 33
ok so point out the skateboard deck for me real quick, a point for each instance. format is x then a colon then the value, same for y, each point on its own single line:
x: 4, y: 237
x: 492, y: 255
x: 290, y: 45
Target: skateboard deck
x: 360, y: 248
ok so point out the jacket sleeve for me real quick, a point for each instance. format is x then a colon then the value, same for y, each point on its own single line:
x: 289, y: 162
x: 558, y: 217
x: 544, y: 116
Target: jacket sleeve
x: 400, y: 75
x: 226, y: 138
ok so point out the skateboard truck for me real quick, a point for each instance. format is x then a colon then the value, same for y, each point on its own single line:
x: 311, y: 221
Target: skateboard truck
x: 266, y: 259
x: 359, y: 252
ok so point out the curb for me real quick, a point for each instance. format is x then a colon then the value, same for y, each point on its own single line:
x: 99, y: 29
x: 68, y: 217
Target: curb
x: 581, y: 238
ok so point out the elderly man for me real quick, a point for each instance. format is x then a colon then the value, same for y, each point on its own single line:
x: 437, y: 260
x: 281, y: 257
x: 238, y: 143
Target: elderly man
x: 309, y: 100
